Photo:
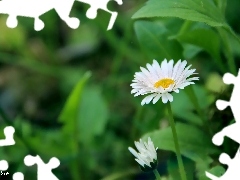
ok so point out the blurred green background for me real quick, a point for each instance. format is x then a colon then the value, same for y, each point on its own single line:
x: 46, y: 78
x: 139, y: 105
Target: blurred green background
x: 67, y: 92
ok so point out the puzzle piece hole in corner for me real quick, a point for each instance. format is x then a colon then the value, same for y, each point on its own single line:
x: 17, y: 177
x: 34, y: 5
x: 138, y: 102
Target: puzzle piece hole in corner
x: 229, y: 78
x: 73, y: 23
x: 114, y: 5
x: 38, y: 24
x: 3, y: 165
x: 18, y: 176
x: 221, y: 104
x: 91, y: 13
x: 12, y: 21
x: 218, y: 139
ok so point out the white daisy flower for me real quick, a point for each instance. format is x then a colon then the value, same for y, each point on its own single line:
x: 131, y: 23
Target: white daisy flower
x: 160, y: 81
x: 147, y: 156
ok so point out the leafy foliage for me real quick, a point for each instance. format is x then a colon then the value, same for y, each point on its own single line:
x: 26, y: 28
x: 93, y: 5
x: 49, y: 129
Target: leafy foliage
x: 67, y: 91
x: 195, y: 147
x: 200, y: 11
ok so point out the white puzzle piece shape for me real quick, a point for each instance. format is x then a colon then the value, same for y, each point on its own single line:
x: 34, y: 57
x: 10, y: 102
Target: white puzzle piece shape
x: 35, y: 8
x: 18, y: 176
x: 101, y: 4
x: 232, y: 172
x: 234, y: 100
x: 44, y: 171
x: 231, y: 131
x: 3, y: 165
x: 8, y: 132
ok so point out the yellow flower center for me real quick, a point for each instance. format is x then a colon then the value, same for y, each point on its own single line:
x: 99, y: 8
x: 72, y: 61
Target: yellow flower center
x: 165, y: 83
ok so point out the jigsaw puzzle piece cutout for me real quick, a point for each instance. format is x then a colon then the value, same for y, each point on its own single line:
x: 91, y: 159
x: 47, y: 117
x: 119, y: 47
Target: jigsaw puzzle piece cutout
x: 229, y: 78
x: 44, y: 171
x: 211, y: 176
x: 231, y: 131
x: 12, y: 21
x: 36, y: 8
x: 3, y: 165
x: 25, y: 8
x: 63, y: 9
x: 233, y: 102
x: 221, y: 104
x: 101, y: 4
x: 232, y: 172
x: 18, y: 176
x: 8, y: 132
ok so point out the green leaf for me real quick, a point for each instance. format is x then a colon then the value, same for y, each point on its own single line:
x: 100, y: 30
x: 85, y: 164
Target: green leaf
x: 201, y: 167
x: 54, y: 141
x: 153, y: 38
x: 215, y: 83
x: 207, y: 39
x: 217, y: 171
x: 197, y: 10
x: 193, y: 142
x: 93, y: 114
x: 12, y: 39
x: 222, y: 4
x: 190, y: 51
x: 85, y: 113
x: 69, y: 114
x: 173, y: 168
x: 121, y: 175
x: 69, y: 117
x: 188, y: 108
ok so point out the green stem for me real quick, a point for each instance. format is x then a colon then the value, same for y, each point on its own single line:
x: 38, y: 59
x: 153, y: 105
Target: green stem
x: 185, y: 27
x: 175, y: 139
x: 157, y: 175
x: 221, y: 4
x: 228, y: 51
x: 229, y: 29
x: 193, y: 98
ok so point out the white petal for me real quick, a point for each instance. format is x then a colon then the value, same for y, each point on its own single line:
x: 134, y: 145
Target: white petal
x: 147, y: 74
x: 140, y: 162
x: 183, y: 85
x: 164, y: 98
x: 139, y: 145
x: 147, y: 99
x: 133, y: 152
x: 164, y: 68
x: 157, y: 68
x: 134, y: 91
x: 157, y: 98
x: 170, y: 68
x: 145, y: 71
x: 170, y: 97
x: 176, y: 90
x: 145, y: 160
x: 152, y: 72
x: 175, y: 69
x: 180, y: 69
x: 193, y: 79
x: 151, y: 145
